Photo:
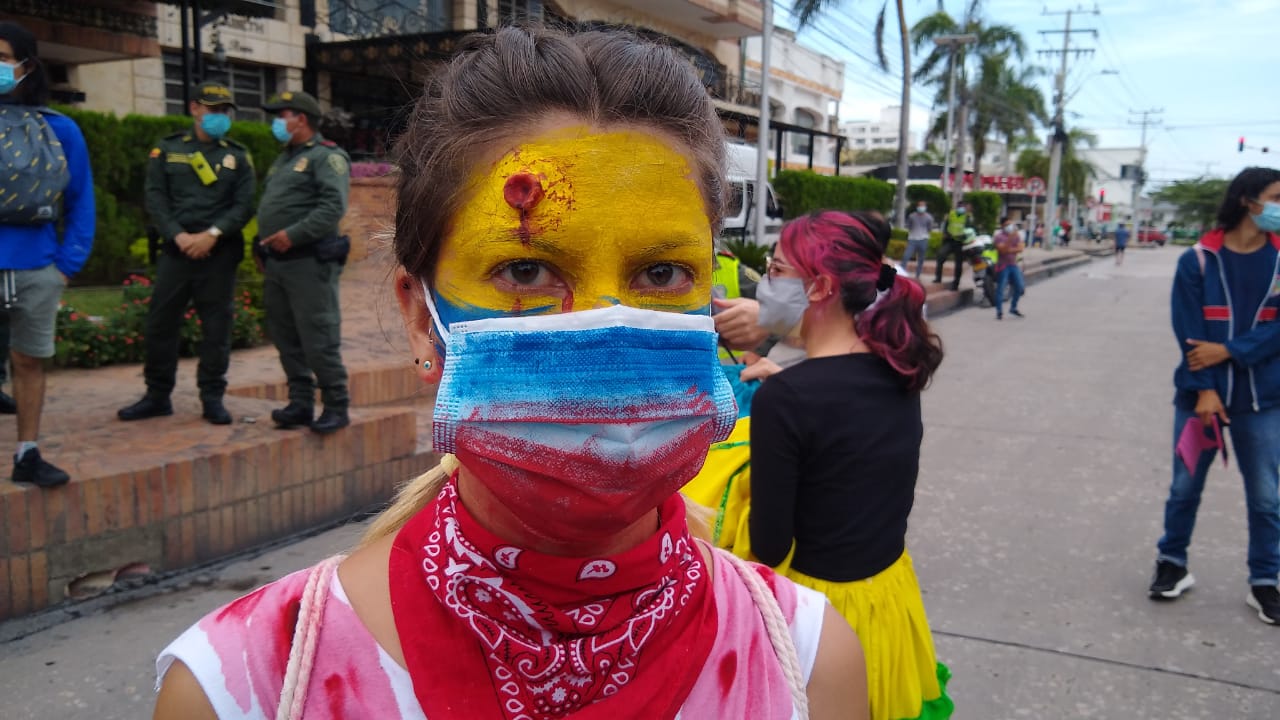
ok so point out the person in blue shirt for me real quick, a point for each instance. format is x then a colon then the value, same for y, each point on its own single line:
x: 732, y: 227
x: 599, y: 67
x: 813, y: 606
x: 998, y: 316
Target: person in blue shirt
x: 1122, y: 241
x: 34, y: 263
x: 1225, y: 301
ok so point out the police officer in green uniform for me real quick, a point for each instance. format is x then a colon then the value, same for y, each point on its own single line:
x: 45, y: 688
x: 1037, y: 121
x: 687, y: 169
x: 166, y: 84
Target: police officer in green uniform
x: 199, y: 192
x: 304, y: 197
x: 732, y: 279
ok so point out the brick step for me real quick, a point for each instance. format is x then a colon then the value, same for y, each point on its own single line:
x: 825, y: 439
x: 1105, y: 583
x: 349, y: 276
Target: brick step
x: 172, y: 492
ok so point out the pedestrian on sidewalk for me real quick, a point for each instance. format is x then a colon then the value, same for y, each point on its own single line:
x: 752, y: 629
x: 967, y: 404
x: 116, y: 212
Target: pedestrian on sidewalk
x: 1009, y: 246
x: 48, y: 183
x: 1225, y: 301
x: 953, y: 241
x: 558, y: 197
x: 303, y: 199
x: 830, y: 493
x: 199, y: 193
x: 1122, y: 240
x: 919, y: 225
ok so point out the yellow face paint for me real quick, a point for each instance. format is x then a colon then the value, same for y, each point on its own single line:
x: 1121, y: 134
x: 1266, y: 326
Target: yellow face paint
x: 574, y: 220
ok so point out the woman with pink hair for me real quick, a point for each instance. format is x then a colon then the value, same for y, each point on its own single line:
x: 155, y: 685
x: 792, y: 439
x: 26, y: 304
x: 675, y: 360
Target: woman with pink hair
x: 835, y: 447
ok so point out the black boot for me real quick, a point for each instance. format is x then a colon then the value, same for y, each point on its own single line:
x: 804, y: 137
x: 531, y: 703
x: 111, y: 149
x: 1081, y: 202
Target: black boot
x: 149, y: 406
x: 7, y: 405
x: 215, y: 412
x: 292, y: 415
x: 331, y: 420
x: 33, y: 469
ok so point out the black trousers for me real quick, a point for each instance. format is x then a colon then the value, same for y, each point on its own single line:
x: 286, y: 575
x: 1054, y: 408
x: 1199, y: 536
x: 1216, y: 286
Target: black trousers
x: 947, y: 249
x: 209, y: 286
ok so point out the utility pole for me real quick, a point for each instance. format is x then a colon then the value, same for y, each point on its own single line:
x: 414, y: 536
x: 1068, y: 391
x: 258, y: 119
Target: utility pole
x: 1141, y: 177
x: 1059, y: 138
x: 762, y: 137
x: 952, y: 43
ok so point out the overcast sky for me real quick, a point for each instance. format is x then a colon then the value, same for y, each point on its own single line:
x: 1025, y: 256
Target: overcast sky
x: 1210, y: 64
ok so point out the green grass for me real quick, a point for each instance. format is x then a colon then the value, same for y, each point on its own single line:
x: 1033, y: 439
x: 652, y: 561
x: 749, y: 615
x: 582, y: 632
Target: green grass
x: 94, y: 300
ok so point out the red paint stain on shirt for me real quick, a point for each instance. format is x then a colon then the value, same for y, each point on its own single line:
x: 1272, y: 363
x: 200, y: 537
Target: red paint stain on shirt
x: 728, y: 669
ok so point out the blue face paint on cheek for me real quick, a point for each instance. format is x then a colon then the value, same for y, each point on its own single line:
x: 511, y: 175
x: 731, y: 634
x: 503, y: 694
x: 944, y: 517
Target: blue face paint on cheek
x: 453, y: 312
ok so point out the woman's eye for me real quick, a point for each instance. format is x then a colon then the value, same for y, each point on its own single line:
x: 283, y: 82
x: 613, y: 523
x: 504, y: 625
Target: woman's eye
x: 664, y: 276
x: 525, y: 273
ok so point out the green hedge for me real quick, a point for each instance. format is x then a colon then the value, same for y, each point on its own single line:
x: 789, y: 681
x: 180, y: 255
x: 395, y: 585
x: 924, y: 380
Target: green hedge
x: 986, y: 210
x: 898, y: 242
x: 119, y: 148
x: 803, y: 191
x: 937, y: 199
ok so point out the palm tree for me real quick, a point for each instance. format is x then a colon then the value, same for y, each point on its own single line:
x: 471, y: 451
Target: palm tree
x: 979, y: 95
x: 1022, y: 106
x: 807, y: 11
x: 1076, y: 171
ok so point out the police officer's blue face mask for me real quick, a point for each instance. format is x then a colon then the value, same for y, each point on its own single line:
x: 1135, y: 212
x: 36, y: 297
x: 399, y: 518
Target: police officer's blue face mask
x: 215, y: 124
x: 8, y: 81
x: 280, y: 128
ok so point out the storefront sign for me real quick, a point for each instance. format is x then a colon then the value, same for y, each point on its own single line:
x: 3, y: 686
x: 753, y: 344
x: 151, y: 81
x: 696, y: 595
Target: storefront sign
x: 998, y: 184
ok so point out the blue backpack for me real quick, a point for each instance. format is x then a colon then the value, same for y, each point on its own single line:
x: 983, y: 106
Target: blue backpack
x: 33, y: 167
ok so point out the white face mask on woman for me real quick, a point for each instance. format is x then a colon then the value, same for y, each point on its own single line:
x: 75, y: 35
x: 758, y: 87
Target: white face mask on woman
x: 783, y: 301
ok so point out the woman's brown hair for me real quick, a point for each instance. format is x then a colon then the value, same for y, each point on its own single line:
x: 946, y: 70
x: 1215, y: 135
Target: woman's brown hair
x: 499, y: 85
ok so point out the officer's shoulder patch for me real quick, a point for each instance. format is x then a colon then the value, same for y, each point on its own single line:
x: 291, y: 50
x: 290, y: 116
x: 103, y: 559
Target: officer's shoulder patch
x: 726, y: 253
x: 329, y: 143
x: 337, y: 163
x: 155, y: 153
x: 752, y: 274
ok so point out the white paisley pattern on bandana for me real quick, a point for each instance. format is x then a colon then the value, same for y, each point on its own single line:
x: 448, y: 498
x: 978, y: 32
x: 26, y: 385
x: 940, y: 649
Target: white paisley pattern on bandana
x: 557, y: 632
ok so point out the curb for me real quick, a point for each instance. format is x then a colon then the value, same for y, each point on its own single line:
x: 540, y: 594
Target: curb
x: 949, y: 301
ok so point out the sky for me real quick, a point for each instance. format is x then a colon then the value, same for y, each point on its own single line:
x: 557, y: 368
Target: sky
x: 1203, y: 62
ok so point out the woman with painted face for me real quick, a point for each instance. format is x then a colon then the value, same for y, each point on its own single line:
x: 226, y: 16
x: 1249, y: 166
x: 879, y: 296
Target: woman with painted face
x: 557, y: 202
x: 1226, y: 296
x: 830, y: 489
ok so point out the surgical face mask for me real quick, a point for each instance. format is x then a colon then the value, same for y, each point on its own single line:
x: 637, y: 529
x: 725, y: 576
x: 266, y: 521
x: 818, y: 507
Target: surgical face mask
x: 920, y: 208
x: 783, y: 301
x: 215, y: 124
x: 280, y: 128
x: 582, y: 422
x: 7, y: 80
x: 1011, y: 228
x: 960, y: 211
x: 1269, y: 219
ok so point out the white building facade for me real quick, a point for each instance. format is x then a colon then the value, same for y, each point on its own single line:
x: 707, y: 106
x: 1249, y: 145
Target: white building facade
x: 805, y: 88
x: 876, y: 134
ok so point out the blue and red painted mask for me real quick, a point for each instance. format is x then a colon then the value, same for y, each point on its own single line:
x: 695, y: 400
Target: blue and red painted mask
x: 582, y: 422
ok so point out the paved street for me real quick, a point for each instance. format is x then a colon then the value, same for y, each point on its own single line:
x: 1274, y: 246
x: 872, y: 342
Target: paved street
x: 1045, y: 466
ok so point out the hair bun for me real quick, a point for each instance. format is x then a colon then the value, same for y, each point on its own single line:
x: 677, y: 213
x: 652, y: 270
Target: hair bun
x: 888, y: 274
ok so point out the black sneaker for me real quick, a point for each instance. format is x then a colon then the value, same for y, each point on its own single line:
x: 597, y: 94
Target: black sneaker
x: 1016, y: 313
x: 33, y: 469
x: 292, y: 415
x: 148, y: 407
x: 331, y: 420
x: 1266, y: 600
x: 1171, y: 581
x: 215, y: 413
x: 7, y: 405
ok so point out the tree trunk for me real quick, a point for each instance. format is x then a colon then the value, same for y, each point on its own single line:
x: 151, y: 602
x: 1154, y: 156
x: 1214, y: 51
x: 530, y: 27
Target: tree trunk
x: 979, y: 148
x: 1008, y: 155
x: 904, y: 124
x: 962, y: 134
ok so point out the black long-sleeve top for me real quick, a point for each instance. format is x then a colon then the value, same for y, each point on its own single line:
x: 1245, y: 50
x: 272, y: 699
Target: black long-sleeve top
x: 835, y: 450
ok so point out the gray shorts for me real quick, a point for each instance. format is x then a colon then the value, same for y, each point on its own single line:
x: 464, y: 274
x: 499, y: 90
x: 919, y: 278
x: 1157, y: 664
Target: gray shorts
x: 31, y: 298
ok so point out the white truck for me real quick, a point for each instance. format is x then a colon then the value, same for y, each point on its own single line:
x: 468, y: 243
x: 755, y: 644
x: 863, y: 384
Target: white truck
x: 739, y: 211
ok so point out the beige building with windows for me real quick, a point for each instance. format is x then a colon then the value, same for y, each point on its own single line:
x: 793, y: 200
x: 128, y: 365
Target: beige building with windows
x: 365, y: 57
x: 805, y: 88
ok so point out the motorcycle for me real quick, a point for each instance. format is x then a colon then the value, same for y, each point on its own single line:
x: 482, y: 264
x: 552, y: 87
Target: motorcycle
x: 980, y: 253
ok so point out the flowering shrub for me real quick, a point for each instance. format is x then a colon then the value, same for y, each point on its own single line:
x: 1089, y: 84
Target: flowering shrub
x: 371, y: 169
x: 83, y: 341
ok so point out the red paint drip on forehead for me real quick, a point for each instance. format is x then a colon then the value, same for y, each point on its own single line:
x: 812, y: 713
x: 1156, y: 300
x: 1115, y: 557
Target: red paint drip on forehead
x: 523, y: 191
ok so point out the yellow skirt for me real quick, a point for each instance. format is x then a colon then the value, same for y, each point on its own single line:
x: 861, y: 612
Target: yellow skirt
x: 904, y: 679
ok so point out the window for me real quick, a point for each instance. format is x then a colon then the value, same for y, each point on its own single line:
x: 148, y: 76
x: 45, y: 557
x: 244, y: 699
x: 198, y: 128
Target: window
x: 801, y: 143
x: 250, y: 85
x: 517, y: 10
x: 860, y: 142
x: 875, y: 128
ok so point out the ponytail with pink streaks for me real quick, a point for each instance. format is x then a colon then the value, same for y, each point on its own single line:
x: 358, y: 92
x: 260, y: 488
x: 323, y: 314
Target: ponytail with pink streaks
x: 849, y: 247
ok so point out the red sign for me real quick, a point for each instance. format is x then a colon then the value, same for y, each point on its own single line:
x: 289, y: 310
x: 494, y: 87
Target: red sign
x: 999, y: 184
x: 1035, y: 186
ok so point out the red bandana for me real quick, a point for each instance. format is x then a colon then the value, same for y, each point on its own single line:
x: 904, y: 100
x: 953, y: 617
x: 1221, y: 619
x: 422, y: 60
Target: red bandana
x: 491, y: 631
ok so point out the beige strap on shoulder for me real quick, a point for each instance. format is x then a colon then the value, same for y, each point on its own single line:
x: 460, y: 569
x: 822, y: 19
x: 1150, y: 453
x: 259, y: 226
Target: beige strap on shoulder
x: 784, y: 645
x: 306, y: 636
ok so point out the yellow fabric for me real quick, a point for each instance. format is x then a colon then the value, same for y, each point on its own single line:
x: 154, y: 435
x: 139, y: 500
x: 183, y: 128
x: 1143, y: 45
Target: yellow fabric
x: 888, y: 614
x: 724, y: 274
x: 723, y: 486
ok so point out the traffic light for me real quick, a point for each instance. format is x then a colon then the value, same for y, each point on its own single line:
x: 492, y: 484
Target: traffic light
x: 1102, y: 195
x: 1241, y: 147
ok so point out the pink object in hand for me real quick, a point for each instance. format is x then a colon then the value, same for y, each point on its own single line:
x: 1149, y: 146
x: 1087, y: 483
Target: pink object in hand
x: 1194, y: 440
